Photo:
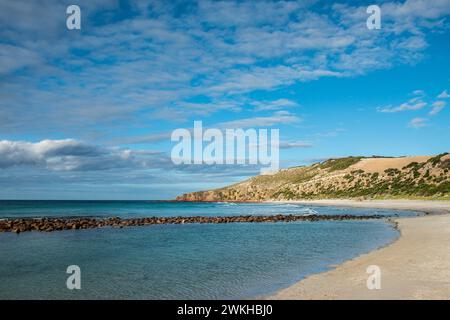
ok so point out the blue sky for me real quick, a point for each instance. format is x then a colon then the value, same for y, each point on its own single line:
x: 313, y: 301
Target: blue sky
x: 87, y: 114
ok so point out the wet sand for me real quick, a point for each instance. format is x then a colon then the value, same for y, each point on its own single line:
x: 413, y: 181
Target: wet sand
x: 416, y: 266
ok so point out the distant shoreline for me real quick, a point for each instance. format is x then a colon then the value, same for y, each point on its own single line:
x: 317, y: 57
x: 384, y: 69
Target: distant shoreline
x: 416, y: 266
x: 426, y: 206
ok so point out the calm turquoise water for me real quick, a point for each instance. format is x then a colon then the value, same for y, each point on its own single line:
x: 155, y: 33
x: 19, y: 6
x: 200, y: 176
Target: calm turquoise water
x: 193, y: 261
x: 130, y: 209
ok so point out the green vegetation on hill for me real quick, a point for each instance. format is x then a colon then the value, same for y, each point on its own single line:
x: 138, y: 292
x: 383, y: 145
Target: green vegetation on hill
x: 339, y: 164
x: 338, y: 178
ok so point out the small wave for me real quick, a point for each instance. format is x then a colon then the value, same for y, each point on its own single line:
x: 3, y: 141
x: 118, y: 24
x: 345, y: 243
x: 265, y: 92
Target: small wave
x: 309, y: 212
x: 287, y: 205
x: 226, y: 204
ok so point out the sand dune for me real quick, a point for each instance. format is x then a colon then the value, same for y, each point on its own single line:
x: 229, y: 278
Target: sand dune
x: 381, y: 164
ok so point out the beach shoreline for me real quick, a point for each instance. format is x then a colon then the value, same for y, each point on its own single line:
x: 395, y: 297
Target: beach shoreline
x: 425, y: 206
x: 415, y: 266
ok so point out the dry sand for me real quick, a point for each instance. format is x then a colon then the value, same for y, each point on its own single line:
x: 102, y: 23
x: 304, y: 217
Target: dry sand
x: 416, y: 266
x: 380, y: 164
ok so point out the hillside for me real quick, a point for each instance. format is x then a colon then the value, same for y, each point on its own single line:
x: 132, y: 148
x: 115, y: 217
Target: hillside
x: 351, y: 177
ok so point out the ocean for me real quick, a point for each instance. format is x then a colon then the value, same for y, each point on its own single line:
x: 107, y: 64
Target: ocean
x: 191, y: 261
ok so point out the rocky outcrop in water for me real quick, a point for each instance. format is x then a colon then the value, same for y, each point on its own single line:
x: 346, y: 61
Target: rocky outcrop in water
x: 55, y: 224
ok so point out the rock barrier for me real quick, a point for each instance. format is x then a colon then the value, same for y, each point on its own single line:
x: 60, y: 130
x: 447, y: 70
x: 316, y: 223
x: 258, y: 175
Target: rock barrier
x: 56, y: 224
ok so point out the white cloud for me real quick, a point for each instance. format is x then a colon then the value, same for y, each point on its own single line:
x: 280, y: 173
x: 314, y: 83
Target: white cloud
x: 143, y: 138
x: 14, y: 58
x: 71, y: 155
x: 411, y: 105
x: 437, y: 107
x: 295, y: 144
x: 215, y: 49
x: 258, y: 78
x: 278, y: 118
x: 415, y: 9
x: 415, y: 103
x: 403, y: 107
x: 444, y: 95
x: 418, y: 123
x: 273, y: 105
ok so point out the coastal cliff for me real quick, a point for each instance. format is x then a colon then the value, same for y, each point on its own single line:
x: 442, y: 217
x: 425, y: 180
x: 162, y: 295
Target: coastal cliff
x: 351, y: 177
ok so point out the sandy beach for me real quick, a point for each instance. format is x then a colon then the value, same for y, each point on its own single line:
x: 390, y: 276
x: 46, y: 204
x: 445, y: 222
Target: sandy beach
x: 416, y: 266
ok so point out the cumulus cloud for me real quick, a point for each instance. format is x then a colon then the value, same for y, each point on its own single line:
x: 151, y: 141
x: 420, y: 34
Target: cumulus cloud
x: 70, y: 168
x: 70, y: 155
x: 62, y: 157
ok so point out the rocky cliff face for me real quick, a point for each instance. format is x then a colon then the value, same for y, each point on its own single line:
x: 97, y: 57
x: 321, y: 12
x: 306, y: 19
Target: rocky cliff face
x: 352, y: 177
